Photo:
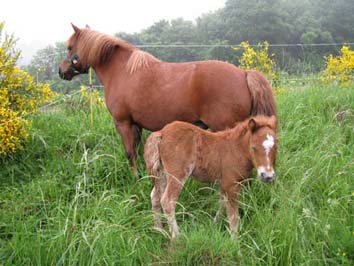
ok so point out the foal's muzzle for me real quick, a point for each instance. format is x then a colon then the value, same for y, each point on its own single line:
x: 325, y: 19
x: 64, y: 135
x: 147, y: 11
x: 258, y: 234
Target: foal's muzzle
x: 266, y: 176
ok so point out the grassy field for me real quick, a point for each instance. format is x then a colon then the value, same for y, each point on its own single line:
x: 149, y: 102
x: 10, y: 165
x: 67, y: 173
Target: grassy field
x: 69, y: 198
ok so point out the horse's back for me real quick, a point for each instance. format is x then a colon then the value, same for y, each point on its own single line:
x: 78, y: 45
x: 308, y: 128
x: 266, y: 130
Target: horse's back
x: 213, y: 93
x: 223, y: 94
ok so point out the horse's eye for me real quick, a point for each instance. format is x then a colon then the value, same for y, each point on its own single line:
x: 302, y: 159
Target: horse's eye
x: 254, y: 149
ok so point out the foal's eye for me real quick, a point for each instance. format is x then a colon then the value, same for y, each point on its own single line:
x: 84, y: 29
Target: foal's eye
x: 254, y: 149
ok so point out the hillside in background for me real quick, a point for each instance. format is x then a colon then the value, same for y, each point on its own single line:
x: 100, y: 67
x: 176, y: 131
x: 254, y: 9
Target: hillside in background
x: 300, y: 34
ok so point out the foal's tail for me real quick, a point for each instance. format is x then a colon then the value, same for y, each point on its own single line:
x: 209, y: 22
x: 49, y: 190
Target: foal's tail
x: 152, y: 155
x: 263, y: 102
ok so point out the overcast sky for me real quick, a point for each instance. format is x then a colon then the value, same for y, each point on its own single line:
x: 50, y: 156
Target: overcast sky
x: 37, y: 23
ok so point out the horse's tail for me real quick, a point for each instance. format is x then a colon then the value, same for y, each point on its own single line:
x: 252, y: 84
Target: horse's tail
x: 152, y: 155
x: 263, y: 102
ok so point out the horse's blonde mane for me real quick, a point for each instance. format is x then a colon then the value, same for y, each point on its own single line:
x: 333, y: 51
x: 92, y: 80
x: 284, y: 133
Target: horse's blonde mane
x: 97, y: 48
x: 140, y: 59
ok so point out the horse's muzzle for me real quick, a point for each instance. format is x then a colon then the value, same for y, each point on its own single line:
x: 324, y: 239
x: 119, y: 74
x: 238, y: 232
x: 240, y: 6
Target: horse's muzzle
x: 61, y: 74
x: 65, y: 75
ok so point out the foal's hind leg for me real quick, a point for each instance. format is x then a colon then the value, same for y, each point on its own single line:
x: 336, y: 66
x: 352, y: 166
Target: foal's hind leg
x: 174, y: 185
x: 159, y: 186
x: 156, y: 207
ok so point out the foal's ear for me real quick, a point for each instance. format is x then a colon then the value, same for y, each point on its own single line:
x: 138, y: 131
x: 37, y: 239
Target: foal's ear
x: 252, y: 125
x: 273, y: 122
x: 76, y: 29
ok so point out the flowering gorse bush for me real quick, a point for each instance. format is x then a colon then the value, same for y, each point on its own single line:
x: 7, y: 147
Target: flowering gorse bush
x: 12, y: 126
x: 259, y: 59
x: 340, y: 69
x: 19, y: 96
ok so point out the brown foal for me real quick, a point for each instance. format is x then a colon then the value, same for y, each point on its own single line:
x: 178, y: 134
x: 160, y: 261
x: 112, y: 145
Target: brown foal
x: 226, y: 157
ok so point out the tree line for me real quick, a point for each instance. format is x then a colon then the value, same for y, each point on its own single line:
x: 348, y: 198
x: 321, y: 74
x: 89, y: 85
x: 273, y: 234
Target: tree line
x: 301, y: 22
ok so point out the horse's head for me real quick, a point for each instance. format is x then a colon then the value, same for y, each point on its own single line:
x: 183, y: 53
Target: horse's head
x: 263, y: 146
x: 72, y: 64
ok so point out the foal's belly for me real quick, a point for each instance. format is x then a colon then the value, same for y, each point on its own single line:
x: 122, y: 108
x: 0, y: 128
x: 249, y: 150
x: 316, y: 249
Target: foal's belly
x: 205, y: 176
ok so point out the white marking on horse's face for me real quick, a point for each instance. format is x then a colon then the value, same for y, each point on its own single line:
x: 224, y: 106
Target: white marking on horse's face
x: 268, y: 144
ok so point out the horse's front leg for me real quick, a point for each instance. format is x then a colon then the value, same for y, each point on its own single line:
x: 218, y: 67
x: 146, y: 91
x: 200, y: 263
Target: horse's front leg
x: 131, y: 135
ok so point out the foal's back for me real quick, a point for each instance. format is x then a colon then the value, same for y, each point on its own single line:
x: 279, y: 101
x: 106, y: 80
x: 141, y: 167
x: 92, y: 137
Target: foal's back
x: 188, y: 150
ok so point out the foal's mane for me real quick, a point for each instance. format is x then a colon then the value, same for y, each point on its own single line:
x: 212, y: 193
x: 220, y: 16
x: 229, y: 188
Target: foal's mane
x: 241, y: 128
x: 97, y: 48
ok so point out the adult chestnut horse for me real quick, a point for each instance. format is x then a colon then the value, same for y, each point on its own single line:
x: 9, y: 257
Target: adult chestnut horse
x: 143, y: 92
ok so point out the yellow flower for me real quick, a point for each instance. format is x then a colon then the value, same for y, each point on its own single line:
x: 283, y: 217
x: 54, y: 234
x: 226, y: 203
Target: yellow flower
x: 19, y: 96
x: 259, y: 59
x: 340, y: 69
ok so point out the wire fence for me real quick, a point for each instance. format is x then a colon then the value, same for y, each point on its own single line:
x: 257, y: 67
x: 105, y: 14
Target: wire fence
x: 58, y: 100
x: 238, y: 45
x: 284, y: 52
x: 295, y: 58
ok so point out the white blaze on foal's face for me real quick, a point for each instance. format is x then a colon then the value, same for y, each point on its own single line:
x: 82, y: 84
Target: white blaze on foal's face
x: 268, y: 145
x: 266, y: 172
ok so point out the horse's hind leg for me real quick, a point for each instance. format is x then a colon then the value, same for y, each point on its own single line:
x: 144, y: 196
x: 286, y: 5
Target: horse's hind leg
x: 137, y: 131
x: 128, y: 133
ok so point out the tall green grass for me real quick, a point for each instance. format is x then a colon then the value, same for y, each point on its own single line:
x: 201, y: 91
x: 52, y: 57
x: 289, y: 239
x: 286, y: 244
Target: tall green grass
x: 70, y: 199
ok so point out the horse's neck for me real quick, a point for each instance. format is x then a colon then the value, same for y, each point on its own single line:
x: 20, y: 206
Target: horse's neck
x: 114, y: 68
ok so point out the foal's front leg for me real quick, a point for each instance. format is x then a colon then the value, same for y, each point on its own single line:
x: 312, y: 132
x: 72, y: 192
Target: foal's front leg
x: 130, y: 134
x: 231, y: 204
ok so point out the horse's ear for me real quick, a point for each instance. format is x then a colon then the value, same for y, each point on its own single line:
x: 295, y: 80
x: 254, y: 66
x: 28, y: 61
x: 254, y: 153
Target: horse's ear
x: 252, y: 125
x: 76, y: 29
x: 273, y: 122
x: 88, y: 27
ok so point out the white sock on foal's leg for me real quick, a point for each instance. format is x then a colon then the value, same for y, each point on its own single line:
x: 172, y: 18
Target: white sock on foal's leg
x: 172, y: 223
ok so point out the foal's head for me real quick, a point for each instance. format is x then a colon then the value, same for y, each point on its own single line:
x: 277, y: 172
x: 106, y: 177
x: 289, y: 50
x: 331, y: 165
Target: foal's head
x: 263, y: 145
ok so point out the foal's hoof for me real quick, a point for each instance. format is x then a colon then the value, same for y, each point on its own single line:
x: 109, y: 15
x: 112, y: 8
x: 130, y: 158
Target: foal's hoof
x: 174, y: 235
x: 217, y: 217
